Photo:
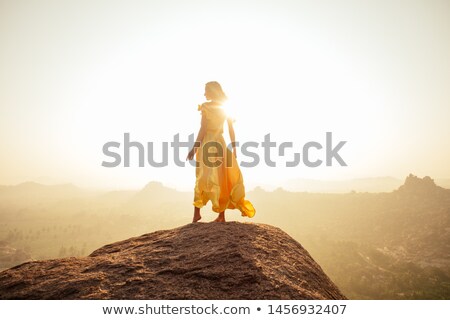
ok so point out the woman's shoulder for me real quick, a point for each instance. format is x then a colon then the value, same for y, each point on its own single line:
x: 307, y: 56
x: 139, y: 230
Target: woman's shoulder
x: 206, y: 106
x: 203, y: 106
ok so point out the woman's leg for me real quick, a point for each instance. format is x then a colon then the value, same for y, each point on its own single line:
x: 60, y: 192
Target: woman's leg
x: 221, y: 217
x: 197, y: 215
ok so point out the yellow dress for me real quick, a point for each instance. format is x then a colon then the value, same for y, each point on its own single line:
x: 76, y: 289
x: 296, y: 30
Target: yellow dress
x: 218, y: 176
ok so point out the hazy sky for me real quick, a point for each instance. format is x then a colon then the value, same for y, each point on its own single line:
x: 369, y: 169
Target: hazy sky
x: 77, y: 74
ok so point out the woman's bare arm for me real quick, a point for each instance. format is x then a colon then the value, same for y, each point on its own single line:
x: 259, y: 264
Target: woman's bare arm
x: 232, y: 135
x: 198, y: 141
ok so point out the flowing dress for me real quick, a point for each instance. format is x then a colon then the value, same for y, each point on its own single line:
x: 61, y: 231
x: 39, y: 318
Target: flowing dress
x: 218, y: 176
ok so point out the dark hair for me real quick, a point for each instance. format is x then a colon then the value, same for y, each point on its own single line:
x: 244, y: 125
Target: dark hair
x: 217, y: 92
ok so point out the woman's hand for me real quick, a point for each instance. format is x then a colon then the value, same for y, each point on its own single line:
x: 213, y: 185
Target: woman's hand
x: 191, y: 154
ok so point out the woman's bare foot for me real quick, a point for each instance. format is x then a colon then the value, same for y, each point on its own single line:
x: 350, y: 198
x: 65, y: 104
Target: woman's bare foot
x: 197, y: 215
x: 221, y: 217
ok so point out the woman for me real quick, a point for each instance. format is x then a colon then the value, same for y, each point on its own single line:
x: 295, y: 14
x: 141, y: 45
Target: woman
x: 218, y: 177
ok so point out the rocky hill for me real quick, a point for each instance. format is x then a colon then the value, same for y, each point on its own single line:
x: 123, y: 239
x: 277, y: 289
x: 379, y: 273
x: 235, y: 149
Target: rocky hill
x: 197, y: 261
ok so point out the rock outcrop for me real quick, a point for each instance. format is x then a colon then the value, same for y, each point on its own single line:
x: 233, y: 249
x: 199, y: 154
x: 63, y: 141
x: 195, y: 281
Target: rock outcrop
x: 197, y: 261
x: 423, y: 187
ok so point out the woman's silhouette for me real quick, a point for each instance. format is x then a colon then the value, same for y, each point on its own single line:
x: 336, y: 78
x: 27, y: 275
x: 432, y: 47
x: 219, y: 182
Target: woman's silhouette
x: 218, y: 177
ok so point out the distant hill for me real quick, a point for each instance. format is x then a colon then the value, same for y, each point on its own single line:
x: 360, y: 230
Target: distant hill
x: 373, y: 185
x: 32, y: 192
x: 377, y: 184
x: 155, y: 192
x: 425, y: 186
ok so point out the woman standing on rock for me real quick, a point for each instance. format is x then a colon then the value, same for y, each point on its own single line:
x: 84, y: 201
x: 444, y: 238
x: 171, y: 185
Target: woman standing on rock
x: 218, y: 177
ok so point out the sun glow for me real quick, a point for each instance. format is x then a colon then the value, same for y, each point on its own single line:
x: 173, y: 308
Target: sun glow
x: 290, y: 70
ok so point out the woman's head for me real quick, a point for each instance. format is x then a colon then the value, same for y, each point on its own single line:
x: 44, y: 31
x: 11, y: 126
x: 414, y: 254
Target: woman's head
x: 214, y: 92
